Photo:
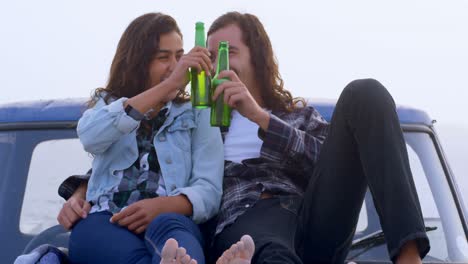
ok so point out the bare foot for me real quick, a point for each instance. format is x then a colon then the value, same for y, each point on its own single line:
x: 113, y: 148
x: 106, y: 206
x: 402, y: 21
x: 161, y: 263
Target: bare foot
x: 239, y: 253
x: 173, y: 254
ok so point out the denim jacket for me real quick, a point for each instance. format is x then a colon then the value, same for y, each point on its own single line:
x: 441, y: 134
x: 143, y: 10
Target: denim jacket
x: 190, y: 152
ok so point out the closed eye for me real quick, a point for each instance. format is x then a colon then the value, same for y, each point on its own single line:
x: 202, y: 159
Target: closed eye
x: 213, y: 59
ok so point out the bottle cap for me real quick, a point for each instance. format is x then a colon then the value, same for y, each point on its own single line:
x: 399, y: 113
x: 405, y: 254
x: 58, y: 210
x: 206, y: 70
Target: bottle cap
x: 199, y: 25
x: 224, y: 44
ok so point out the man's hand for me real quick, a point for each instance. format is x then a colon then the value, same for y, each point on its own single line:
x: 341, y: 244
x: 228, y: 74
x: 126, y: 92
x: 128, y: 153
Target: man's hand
x: 75, y: 208
x: 137, y: 216
x: 72, y: 211
x: 237, y: 96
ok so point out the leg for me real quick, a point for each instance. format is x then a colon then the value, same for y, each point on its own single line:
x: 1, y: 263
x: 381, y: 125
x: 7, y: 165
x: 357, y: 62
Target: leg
x: 365, y: 147
x: 273, y: 231
x: 178, y: 227
x: 96, y: 240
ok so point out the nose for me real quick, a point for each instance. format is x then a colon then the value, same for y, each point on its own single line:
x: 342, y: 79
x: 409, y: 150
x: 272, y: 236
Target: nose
x: 172, y: 63
x: 214, y: 63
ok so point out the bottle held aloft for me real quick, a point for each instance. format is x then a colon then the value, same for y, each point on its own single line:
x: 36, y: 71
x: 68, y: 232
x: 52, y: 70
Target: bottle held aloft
x: 200, y: 81
x: 220, y: 111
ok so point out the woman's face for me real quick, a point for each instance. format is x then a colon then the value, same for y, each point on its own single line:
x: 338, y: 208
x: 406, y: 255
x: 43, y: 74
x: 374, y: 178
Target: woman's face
x: 170, y: 51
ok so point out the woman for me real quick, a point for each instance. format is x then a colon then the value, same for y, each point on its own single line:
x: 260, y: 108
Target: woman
x: 158, y: 165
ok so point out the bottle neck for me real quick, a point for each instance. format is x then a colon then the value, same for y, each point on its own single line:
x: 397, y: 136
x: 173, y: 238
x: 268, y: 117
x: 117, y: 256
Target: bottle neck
x: 223, y: 60
x: 200, y: 38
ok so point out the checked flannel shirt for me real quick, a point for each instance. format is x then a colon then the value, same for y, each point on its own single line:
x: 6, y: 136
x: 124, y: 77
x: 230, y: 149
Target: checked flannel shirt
x: 289, y: 151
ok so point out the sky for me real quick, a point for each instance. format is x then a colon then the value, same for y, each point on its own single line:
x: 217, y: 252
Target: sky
x: 418, y: 49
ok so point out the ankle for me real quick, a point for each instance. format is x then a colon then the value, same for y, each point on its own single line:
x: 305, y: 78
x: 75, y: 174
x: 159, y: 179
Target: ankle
x: 409, y: 254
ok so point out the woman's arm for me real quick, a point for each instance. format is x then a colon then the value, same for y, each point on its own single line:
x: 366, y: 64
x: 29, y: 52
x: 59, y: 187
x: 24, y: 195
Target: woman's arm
x: 201, y: 198
x: 137, y: 216
x: 206, y: 182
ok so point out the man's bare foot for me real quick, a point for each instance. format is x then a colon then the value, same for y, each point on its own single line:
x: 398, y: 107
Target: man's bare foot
x: 409, y: 254
x: 173, y: 254
x: 239, y: 253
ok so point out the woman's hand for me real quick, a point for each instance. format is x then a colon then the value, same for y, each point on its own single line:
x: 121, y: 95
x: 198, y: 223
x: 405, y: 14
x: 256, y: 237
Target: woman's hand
x: 139, y: 215
x: 198, y: 58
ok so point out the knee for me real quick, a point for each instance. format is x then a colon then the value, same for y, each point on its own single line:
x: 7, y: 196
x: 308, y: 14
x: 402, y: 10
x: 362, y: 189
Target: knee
x: 168, y: 220
x: 368, y: 92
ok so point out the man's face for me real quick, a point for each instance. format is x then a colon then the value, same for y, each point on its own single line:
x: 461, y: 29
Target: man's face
x: 170, y: 51
x: 239, y: 53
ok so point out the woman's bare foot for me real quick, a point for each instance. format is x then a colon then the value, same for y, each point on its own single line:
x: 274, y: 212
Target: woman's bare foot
x: 173, y: 254
x: 239, y: 253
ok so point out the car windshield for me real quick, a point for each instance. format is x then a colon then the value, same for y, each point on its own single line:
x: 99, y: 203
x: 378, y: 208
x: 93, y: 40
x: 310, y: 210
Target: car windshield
x: 444, y: 226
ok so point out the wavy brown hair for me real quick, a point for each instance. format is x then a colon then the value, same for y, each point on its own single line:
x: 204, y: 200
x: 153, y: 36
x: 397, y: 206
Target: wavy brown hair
x: 139, y: 44
x: 262, y: 58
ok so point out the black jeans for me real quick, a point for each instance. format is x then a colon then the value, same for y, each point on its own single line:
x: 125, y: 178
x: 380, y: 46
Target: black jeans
x: 272, y: 228
x: 364, y: 148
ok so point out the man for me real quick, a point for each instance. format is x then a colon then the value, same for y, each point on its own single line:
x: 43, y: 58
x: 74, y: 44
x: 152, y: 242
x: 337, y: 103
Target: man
x: 292, y: 181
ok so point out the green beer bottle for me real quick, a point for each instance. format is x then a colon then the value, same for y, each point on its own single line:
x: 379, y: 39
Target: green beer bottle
x: 199, y: 81
x: 220, y: 112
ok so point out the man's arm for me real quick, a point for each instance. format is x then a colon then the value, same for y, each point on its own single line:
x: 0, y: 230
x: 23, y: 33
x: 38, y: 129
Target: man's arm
x: 68, y: 187
x: 282, y: 142
x: 76, y: 207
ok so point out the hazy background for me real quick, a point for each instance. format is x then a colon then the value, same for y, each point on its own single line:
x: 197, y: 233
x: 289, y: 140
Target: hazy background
x: 418, y: 49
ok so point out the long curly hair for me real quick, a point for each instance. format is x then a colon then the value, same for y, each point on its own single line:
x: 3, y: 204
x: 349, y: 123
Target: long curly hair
x: 263, y: 60
x: 129, y: 72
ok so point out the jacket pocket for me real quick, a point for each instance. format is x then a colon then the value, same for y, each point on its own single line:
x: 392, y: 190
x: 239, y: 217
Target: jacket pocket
x: 180, y: 132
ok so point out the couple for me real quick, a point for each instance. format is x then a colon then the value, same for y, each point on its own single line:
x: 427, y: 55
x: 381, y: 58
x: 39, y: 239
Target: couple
x: 292, y: 182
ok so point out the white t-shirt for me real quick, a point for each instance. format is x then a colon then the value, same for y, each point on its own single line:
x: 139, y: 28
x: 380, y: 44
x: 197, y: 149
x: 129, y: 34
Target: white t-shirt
x: 241, y: 141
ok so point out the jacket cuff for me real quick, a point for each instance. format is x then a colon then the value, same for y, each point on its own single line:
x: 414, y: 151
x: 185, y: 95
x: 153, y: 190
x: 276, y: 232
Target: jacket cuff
x: 124, y: 123
x: 200, y: 212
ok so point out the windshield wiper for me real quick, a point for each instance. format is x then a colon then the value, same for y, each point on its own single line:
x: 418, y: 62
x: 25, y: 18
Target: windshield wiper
x: 374, y: 239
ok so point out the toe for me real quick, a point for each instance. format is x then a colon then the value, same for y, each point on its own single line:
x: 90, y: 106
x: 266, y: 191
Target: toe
x: 181, y: 252
x: 185, y: 259
x: 220, y: 260
x: 249, y: 246
x: 169, y: 251
x: 240, y: 248
x: 234, y: 251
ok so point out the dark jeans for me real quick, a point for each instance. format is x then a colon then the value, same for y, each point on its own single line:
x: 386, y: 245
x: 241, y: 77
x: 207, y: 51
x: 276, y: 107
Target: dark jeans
x: 364, y: 148
x: 96, y: 240
x: 272, y: 228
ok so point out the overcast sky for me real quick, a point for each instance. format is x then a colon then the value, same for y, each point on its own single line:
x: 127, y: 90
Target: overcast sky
x: 418, y: 49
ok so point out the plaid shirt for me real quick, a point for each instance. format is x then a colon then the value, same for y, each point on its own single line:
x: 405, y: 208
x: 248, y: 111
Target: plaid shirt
x: 290, y: 149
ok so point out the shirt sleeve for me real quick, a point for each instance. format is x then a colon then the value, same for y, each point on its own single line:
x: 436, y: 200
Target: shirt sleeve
x: 68, y: 187
x: 298, y: 137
